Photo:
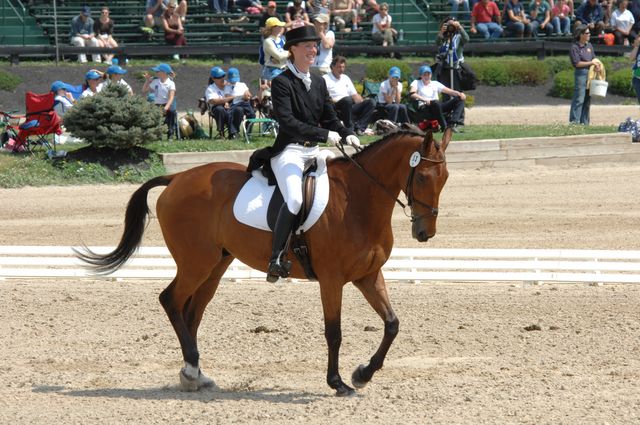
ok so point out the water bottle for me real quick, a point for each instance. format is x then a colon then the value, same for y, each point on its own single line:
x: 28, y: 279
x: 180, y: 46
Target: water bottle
x: 401, y: 35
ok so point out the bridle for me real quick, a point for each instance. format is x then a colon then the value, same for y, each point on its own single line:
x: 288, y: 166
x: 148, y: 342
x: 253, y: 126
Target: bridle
x: 431, y: 211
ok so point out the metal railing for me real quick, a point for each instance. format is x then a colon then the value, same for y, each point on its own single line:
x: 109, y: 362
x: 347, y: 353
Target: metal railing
x: 18, y: 10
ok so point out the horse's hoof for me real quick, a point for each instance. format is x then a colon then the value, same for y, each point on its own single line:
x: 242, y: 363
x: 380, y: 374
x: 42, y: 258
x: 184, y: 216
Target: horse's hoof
x: 205, y: 382
x: 357, y: 379
x: 188, y: 383
x: 344, y: 391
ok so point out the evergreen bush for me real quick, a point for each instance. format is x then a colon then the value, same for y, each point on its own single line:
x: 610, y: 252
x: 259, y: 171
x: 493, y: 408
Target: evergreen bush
x: 9, y: 81
x: 113, y: 118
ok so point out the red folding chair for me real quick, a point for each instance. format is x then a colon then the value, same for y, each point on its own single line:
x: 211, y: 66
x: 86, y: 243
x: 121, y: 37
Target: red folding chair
x: 40, y: 120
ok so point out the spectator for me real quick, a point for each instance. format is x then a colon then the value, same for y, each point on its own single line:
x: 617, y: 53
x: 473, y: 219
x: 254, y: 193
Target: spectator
x: 343, y: 12
x: 540, y: 14
x: 273, y: 53
x: 426, y: 93
x: 515, y: 20
x: 591, y: 15
x: 318, y: 7
x: 172, y: 25
x: 390, y: 95
x: 82, y: 34
x: 114, y: 76
x: 560, y: 18
x: 354, y: 111
x: 456, y: 5
x: 634, y: 7
x: 482, y: 20
x: 240, y: 103
x: 327, y: 41
x: 296, y: 12
x: 381, y: 31
x: 635, y: 58
x: 270, y: 12
x: 622, y: 21
x: 582, y: 58
x: 92, y: 84
x: 252, y: 7
x: 63, y: 98
x: 103, y: 28
x: 164, y: 92
x: 218, y: 6
x: 219, y: 99
x: 154, y: 11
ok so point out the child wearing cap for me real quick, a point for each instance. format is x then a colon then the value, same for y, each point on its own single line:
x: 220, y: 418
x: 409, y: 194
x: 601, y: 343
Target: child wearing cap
x: 163, y: 89
x: 390, y: 95
x: 240, y: 105
x: 114, y: 75
x: 92, y: 83
x: 63, y: 100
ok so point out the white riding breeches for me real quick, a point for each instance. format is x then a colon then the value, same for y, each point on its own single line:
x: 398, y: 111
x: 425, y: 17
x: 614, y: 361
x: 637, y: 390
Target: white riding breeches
x: 288, y: 166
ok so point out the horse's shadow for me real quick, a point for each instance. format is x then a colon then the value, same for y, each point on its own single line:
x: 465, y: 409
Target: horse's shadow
x: 174, y: 393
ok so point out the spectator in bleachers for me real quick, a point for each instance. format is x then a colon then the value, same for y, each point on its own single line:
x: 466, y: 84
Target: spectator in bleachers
x: 486, y: 20
x: 344, y: 12
x: 582, y: 58
x: 390, y: 97
x: 425, y: 92
x: 318, y: 7
x: 103, y: 28
x: 252, y: 7
x: 156, y: 8
x: 270, y: 12
x: 92, y: 80
x: 63, y: 98
x: 219, y: 99
x: 327, y: 41
x: 218, y: 6
x: 354, y: 111
x: 240, y: 103
x: 274, y: 54
x: 591, y: 15
x: 457, y: 5
x: 560, y: 18
x: 382, y: 32
x: 607, y: 8
x: 622, y: 21
x: 295, y: 13
x: 164, y: 92
x: 114, y: 76
x: 82, y: 33
x: 540, y: 14
x: 172, y: 25
x: 515, y: 20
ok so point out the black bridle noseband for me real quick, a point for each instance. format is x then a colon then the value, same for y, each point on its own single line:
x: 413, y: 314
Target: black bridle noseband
x: 431, y: 211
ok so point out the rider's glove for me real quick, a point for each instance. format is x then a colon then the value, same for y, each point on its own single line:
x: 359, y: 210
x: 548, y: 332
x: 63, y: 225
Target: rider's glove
x: 353, y: 141
x: 333, y: 138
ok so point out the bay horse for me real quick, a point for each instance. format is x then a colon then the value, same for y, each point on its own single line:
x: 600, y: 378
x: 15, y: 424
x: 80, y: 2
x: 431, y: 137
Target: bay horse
x: 349, y: 243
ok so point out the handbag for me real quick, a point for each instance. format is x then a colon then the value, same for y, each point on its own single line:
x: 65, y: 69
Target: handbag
x: 466, y: 77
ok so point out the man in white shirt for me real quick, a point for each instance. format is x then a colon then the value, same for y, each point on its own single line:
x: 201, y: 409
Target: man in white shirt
x: 240, y: 105
x: 426, y: 92
x: 354, y: 111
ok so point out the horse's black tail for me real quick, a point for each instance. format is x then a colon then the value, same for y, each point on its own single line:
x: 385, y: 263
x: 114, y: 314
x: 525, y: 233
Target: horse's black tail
x: 135, y: 223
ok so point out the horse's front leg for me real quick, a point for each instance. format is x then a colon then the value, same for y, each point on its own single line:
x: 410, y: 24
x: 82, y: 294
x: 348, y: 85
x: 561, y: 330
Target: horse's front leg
x: 332, y: 306
x: 374, y: 289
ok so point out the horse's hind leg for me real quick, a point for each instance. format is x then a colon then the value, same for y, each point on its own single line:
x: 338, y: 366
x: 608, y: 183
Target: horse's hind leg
x: 375, y: 291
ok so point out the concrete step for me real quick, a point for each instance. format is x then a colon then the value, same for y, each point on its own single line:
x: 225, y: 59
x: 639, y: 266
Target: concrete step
x: 522, y: 152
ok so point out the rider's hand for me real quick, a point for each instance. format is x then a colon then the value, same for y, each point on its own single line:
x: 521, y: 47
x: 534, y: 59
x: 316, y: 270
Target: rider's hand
x: 333, y: 138
x: 353, y: 141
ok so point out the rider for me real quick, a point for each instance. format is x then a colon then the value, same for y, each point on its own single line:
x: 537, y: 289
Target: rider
x: 306, y: 117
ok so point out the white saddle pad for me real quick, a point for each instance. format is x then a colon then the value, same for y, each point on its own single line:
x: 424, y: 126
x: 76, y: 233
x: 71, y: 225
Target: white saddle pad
x: 252, y: 202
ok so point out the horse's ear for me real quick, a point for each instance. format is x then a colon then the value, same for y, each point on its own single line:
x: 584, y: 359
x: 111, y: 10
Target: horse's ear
x: 428, y: 141
x: 446, y: 138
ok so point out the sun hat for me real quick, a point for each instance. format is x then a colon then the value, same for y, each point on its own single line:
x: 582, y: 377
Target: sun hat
x: 233, y: 75
x: 92, y: 75
x: 86, y: 10
x: 323, y: 18
x: 163, y: 67
x: 273, y: 22
x: 217, y: 72
x: 115, y: 69
x: 395, y: 72
x: 300, y: 34
x: 423, y: 69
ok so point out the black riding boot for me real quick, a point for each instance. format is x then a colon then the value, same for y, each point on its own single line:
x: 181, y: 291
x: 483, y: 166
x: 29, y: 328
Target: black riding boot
x: 278, y: 264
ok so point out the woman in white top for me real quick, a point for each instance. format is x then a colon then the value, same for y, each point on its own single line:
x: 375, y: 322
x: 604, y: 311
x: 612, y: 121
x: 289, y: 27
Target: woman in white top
x: 622, y: 23
x: 327, y: 41
x: 275, y: 56
x: 426, y: 93
x: 381, y: 31
x: 390, y: 95
x: 164, y: 91
x: 92, y: 81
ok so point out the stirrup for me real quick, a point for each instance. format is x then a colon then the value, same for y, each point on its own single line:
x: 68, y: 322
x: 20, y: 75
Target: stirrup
x: 278, y: 268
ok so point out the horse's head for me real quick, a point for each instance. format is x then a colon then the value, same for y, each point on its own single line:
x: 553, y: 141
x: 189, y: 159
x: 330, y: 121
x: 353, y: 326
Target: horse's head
x: 426, y: 179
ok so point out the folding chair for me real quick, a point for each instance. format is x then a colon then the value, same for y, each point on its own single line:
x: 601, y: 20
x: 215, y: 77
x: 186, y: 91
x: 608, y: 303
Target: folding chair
x: 371, y: 89
x: 263, y: 121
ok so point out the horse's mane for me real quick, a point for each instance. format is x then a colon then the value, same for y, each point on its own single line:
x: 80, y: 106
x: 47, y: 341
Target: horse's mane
x: 393, y: 135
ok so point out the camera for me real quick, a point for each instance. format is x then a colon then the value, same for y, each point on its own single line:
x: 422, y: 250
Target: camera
x: 449, y: 27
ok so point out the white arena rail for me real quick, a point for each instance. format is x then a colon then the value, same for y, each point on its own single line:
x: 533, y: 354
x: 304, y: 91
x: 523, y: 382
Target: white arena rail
x: 405, y: 264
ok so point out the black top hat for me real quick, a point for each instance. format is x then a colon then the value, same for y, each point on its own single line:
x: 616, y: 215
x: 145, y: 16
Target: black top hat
x: 300, y: 34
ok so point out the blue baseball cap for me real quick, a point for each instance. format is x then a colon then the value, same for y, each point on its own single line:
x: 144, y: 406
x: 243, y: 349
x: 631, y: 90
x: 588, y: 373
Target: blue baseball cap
x: 233, y: 75
x: 163, y: 67
x: 86, y: 10
x: 425, y: 68
x: 92, y: 75
x: 115, y: 69
x: 395, y: 72
x: 217, y: 72
x: 58, y: 85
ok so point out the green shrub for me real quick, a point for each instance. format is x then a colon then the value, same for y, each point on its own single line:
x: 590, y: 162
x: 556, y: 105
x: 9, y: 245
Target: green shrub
x: 556, y: 64
x: 9, y: 81
x: 563, y: 84
x: 620, y: 82
x: 113, y: 118
x: 509, y: 72
x: 378, y: 70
